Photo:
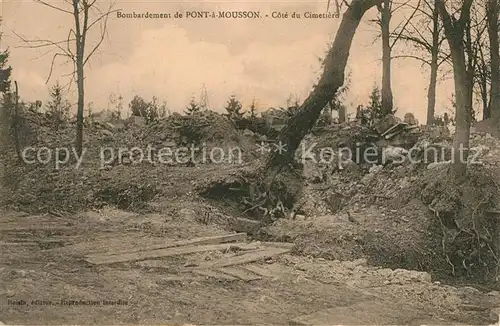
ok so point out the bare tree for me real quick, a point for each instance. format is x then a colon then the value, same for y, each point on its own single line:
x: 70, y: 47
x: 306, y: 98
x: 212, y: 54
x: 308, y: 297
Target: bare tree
x: 331, y: 80
x: 492, y: 13
x: 482, y: 71
x: 434, y: 64
x: 384, y: 21
x: 386, y: 11
x: 425, y: 35
x: 204, y: 103
x: 86, y: 16
x: 455, y: 30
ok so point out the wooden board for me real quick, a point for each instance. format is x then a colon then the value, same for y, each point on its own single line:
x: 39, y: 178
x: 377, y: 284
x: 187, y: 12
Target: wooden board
x: 240, y: 273
x: 144, y: 255
x: 236, y: 237
x: 245, y: 258
x: 107, y: 244
x: 135, y: 243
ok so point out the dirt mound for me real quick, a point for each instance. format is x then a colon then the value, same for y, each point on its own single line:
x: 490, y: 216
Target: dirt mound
x: 69, y: 189
x: 404, y: 217
x: 469, y: 233
x: 408, y: 215
x: 200, y: 127
x: 118, y: 165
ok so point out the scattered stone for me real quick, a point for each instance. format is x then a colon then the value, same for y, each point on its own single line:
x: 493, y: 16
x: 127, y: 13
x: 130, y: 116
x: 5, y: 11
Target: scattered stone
x: 248, y: 133
x: 109, y: 125
x: 240, y: 224
x: 353, y: 264
x: 394, y: 154
x: 375, y: 169
x: 187, y: 213
x: 386, y: 123
x: 435, y: 165
x: 107, y: 133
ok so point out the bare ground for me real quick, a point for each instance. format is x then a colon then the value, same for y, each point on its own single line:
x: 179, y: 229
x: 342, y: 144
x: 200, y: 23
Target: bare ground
x: 42, y: 260
x: 325, y: 280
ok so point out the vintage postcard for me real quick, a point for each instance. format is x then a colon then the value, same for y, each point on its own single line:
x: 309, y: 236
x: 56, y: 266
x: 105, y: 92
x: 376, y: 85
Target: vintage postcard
x: 306, y: 162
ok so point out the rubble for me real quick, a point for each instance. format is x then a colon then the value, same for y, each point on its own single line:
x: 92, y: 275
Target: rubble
x: 379, y: 195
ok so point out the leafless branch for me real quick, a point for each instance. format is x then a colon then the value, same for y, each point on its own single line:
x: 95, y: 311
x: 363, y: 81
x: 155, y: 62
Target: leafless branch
x: 52, y: 65
x: 44, y: 54
x: 103, y: 16
x: 404, y: 26
x: 37, y: 44
x: 400, y: 6
x: 70, y: 82
x: 54, y: 7
x: 103, y: 34
x: 409, y: 56
x: 416, y: 40
x: 68, y: 43
x: 444, y: 59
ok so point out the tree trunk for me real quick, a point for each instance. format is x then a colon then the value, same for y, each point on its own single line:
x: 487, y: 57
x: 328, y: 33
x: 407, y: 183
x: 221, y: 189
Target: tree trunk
x: 454, y: 31
x: 79, y: 114
x: 16, y: 125
x: 431, y: 92
x: 342, y: 113
x: 80, y: 46
x: 385, y: 19
x: 463, y: 112
x: 493, y: 29
x: 470, y: 69
x: 332, y: 78
x: 484, y: 97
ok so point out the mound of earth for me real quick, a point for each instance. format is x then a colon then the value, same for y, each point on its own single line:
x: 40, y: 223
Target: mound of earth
x: 200, y: 127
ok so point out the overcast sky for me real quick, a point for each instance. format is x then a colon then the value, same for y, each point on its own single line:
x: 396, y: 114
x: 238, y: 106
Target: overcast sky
x: 266, y: 59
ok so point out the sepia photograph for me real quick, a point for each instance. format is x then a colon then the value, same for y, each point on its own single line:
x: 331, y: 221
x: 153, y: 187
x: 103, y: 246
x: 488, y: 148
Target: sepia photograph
x: 250, y: 162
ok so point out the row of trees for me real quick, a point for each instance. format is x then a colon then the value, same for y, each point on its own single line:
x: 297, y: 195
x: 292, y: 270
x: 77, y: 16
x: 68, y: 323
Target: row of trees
x: 451, y: 33
x: 454, y: 34
x: 439, y: 34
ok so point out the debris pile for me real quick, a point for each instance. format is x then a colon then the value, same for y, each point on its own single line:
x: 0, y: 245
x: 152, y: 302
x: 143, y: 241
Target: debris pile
x: 200, y: 127
x: 403, y: 197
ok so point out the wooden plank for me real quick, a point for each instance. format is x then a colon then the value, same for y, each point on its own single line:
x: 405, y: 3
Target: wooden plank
x: 135, y: 243
x: 144, y: 255
x: 102, y: 245
x: 258, y: 270
x: 217, y: 239
x: 213, y: 274
x: 242, y: 274
x: 245, y: 258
